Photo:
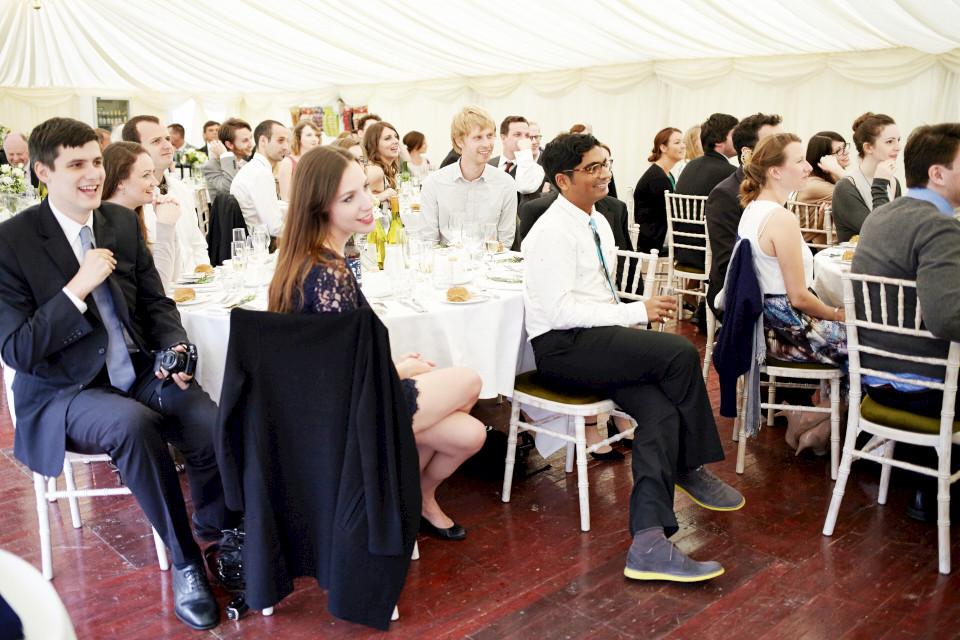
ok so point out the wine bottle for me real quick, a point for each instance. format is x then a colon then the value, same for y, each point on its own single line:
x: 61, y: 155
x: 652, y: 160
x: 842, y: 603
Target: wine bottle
x: 395, y: 234
x: 404, y: 175
x: 378, y: 238
x: 352, y: 254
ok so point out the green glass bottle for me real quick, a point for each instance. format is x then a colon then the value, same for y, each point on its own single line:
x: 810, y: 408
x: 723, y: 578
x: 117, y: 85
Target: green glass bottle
x: 395, y: 233
x: 378, y: 238
x: 404, y: 175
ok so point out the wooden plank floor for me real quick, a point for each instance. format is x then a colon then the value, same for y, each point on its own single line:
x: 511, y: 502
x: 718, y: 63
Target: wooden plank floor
x: 526, y: 568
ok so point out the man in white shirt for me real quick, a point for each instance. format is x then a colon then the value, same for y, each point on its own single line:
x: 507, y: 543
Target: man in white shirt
x: 189, y: 247
x: 470, y: 185
x: 227, y: 155
x: 582, y: 336
x: 517, y: 159
x: 255, y: 188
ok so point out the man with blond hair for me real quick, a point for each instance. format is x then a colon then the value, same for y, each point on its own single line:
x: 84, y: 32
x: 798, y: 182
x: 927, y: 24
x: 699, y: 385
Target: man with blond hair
x: 471, y: 186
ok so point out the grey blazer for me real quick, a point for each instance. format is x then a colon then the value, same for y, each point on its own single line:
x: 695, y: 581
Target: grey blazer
x: 219, y: 174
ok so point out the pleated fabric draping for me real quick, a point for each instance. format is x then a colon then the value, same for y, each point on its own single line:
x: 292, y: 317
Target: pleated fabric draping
x: 628, y: 68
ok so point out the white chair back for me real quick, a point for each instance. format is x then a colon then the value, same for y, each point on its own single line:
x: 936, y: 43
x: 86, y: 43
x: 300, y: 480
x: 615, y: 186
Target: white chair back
x: 812, y: 221
x: 687, y: 226
x: 628, y: 288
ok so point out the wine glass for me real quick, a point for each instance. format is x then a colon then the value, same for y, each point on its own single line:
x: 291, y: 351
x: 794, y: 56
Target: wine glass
x: 455, y: 227
x: 491, y: 244
x: 473, y: 239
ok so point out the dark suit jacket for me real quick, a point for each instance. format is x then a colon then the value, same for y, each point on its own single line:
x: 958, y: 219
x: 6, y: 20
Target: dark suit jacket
x: 451, y: 157
x: 55, y: 350
x: 723, y: 213
x: 699, y: 178
x: 314, y: 443
x: 203, y: 149
x: 522, y: 198
x: 225, y: 216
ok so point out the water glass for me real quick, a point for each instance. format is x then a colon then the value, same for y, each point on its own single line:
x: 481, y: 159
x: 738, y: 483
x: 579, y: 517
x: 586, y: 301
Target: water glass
x: 473, y: 239
x: 427, y: 252
x: 455, y: 227
x: 239, y: 234
x: 442, y: 270
x: 403, y: 283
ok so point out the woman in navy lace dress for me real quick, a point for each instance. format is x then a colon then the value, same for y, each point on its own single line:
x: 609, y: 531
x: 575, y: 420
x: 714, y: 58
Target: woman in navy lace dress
x: 329, y: 201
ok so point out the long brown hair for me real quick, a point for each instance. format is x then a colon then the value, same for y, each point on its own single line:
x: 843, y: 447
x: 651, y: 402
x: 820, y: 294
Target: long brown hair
x: 371, y: 149
x: 314, y: 190
x: 771, y: 152
x: 298, y: 132
x: 662, y: 138
x: 118, y: 161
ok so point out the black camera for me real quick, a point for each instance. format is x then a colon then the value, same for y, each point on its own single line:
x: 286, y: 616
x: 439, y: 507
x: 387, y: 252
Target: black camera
x: 177, y: 361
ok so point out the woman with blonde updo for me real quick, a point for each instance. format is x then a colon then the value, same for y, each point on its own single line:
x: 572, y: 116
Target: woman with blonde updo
x: 872, y: 184
x: 798, y: 326
x: 694, y: 150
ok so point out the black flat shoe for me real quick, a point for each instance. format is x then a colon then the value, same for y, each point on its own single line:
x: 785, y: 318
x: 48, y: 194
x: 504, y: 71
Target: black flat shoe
x: 612, y: 430
x: 456, y: 532
x: 923, y: 507
x: 610, y: 456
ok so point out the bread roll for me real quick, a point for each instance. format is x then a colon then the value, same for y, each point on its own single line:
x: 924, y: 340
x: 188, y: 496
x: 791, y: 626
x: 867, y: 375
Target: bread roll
x: 204, y: 268
x: 184, y: 294
x: 847, y: 255
x: 458, y: 294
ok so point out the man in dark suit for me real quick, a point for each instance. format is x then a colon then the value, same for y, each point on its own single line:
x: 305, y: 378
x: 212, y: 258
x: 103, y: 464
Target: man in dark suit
x: 17, y: 152
x: 81, y: 309
x: 723, y: 209
x: 702, y: 174
x: 211, y: 131
x: 450, y: 158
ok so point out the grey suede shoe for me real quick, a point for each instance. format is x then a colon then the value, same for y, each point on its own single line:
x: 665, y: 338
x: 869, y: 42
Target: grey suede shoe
x: 709, y: 491
x: 664, y: 561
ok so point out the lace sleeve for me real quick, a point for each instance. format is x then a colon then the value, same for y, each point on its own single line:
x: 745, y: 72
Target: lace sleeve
x: 329, y: 288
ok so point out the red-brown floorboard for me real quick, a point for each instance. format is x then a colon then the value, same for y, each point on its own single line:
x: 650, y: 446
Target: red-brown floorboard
x: 526, y: 570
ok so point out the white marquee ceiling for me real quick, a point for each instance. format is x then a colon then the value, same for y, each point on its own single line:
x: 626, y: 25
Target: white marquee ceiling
x: 257, y: 46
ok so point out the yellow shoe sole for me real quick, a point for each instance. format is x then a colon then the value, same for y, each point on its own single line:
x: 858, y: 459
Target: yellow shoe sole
x: 706, y: 506
x: 653, y: 575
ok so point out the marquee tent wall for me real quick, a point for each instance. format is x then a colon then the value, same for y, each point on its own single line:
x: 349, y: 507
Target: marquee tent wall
x: 628, y: 68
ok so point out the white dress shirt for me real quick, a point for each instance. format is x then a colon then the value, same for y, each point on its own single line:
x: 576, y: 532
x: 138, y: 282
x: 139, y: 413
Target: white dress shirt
x: 71, y: 229
x: 256, y: 191
x: 564, y: 285
x: 490, y: 198
x: 529, y: 174
x: 180, y: 247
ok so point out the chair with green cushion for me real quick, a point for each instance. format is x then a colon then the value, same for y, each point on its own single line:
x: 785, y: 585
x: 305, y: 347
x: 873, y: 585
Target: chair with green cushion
x: 687, y: 229
x: 575, y: 405
x: 890, y: 425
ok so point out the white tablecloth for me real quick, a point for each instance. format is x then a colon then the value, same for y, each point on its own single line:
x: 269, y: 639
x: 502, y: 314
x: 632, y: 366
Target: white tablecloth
x: 487, y: 337
x: 827, y: 275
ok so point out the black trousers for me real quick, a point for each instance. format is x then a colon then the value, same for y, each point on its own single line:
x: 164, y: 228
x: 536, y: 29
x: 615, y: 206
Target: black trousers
x: 656, y: 378
x: 134, y: 429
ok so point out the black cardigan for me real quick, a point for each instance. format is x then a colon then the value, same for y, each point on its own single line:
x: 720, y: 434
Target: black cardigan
x: 315, y: 444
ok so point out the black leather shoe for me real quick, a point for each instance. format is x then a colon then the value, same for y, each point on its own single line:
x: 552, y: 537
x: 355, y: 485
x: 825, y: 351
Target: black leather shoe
x: 193, y: 602
x: 613, y: 429
x: 923, y: 506
x: 610, y: 456
x: 456, y: 532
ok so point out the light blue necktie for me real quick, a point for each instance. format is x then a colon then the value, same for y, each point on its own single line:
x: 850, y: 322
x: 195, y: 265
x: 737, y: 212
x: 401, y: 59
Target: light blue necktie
x: 603, y: 262
x: 119, y: 365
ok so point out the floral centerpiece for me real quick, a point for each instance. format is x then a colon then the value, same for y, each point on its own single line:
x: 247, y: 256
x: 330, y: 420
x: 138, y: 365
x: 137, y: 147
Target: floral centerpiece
x: 13, y: 184
x: 196, y: 159
x: 3, y: 134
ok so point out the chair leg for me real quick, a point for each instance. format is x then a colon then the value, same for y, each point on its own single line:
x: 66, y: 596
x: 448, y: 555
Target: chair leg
x: 161, y: 551
x: 571, y: 450
x: 739, y: 418
x: 416, y: 551
x: 43, y: 515
x: 51, y: 487
x: 582, y: 483
x: 72, y: 500
x: 511, y: 452
x: 943, y: 510
x: 841, y: 484
x: 393, y: 616
x: 834, y: 427
x: 708, y: 351
x: 742, y: 435
x: 885, y: 472
x: 771, y: 398
x: 269, y: 612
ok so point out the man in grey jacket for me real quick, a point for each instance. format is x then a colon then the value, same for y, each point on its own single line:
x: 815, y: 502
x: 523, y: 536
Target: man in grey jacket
x: 227, y: 155
x: 916, y: 237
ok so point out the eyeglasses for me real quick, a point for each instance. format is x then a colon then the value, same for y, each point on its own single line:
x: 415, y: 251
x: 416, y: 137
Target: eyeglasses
x: 842, y: 151
x: 538, y: 137
x: 595, y: 168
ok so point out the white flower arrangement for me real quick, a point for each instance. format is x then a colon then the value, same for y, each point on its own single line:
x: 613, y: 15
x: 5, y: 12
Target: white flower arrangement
x: 3, y: 134
x: 13, y: 180
x: 195, y: 159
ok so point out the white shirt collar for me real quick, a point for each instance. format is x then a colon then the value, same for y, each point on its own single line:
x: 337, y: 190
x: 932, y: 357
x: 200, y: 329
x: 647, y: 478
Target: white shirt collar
x: 264, y: 160
x: 483, y: 176
x: 570, y: 209
x: 71, y: 228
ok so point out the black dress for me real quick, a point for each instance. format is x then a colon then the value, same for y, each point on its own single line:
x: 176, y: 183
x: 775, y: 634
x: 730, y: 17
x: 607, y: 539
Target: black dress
x: 650, y: 208
x: 331, y: 287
